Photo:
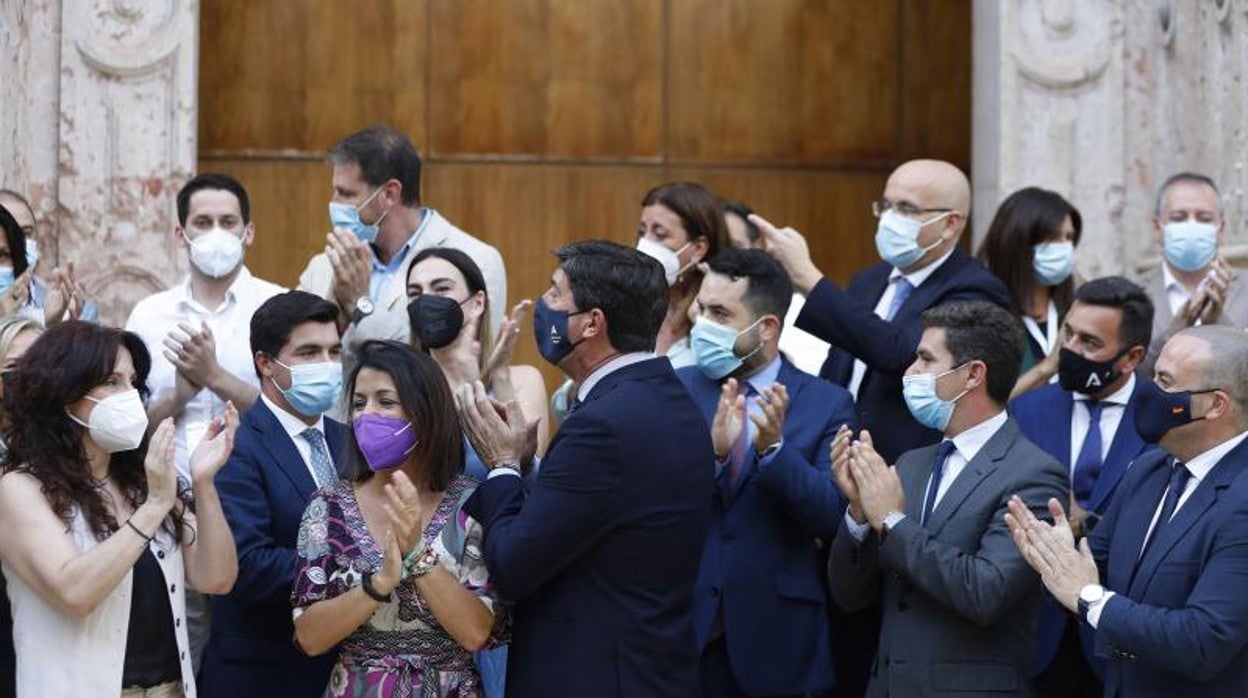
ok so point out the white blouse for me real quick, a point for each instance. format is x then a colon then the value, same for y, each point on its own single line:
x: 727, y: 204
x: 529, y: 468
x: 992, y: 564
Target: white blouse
x: 58, y: 655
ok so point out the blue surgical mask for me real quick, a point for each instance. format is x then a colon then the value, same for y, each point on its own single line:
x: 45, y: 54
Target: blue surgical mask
x: 347, y: 217
x: 1053, y: 262
x: 1189, y: 245
x: 313, y: 387
x: 713, y: 347
x: 6, y: 278
x: 550, y: 331
x: 897, y: 238
x: 927, y: 407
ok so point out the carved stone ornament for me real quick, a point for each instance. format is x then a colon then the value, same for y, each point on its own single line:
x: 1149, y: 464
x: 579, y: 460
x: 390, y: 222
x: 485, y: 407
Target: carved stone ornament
x: 1061, y: 44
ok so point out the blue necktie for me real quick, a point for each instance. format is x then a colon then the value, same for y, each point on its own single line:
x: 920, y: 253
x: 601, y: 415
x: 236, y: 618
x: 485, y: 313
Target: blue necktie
x: 1178, y: 482
x: 740, y: 452
x: 1088, y: 463
x: 904, y: 288
x: 321, y: 464
x: 938, y: 470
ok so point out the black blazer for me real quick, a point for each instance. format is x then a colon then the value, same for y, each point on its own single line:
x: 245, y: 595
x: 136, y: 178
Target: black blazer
x: 600, y: 557
x: 846, y: 319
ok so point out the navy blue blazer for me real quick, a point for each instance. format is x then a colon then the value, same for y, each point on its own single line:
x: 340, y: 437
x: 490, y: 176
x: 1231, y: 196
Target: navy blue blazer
x: 264, y: 488
x: 600, y: 557
x: 760, y: 559
x: 846, y: 319
x: 1178, y: 625
x: 1044, y: 416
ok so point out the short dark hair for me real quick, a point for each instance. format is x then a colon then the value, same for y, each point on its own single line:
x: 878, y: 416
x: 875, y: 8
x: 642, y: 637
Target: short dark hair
x: 16, y: 240
x: 212, y: 180
x: 275, y: 320
x: 383, y: 154
x: 628, y: 286
x: 1136, y: 327
x: 743, y: 212
x: 983, y: 331
x: 427, y: 400
x: 1190, y: 178
x: 1025, y: 219
x: 768, y: 290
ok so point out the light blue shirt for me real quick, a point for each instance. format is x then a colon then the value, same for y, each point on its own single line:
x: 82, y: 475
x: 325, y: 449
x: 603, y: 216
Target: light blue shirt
x: 382, y: 273
x: 765, y: 378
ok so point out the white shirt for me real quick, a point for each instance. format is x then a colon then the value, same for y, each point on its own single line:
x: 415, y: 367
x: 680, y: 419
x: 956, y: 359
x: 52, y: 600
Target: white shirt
x: 1199, y: 467
x: 588, y: 384
x: 966, y: 446
x: 1176, y: 293
x: 154, y: 317
x: 294, y: 428
x: 804, y: 349
x: 916, y: 279
x: 1112, y: 409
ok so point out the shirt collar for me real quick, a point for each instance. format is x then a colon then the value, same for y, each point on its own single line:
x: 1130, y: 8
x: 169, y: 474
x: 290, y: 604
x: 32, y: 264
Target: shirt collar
x: 608, y: 368
x: 1168, y: 281
x: 972, y: 440
x: 1120, y: 396
x: 766, y: 377
x: 292, y: 424
x: 1200, y: 466
x: 918, y: 277
x: 231, y: 293
x: 401, y: 253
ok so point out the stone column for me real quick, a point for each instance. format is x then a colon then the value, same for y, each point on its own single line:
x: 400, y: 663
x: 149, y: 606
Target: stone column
x: 111, y: 85
x: 1101, y: 101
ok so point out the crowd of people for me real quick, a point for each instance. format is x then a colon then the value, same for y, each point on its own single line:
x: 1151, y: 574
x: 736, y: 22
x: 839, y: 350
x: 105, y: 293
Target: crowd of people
x: 957, y: 475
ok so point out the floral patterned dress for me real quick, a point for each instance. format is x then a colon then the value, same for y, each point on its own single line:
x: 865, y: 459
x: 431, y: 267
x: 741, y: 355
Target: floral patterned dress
x: 401, y: 650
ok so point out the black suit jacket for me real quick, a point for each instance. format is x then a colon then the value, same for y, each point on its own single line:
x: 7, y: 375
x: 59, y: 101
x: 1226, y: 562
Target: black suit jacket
x: 600, y: 557
x: 846, y: 319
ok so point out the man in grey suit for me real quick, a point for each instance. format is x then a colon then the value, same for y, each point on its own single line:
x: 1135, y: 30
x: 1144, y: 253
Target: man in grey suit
x: 1193, y: 283
x: 929, y: 535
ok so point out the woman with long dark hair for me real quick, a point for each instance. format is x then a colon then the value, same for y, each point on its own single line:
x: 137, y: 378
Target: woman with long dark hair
x: 390, y: 569
x: 97, y: 542
x: 1030, y: 246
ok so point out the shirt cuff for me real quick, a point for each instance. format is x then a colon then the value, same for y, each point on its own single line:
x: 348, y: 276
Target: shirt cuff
x: 857, y: 530
x: 1094, y: 609
x: 500, y: 472
x: 764, y: 461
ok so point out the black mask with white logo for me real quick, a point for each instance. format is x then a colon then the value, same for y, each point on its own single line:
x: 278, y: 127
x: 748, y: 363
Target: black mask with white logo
x: 1083, y: 375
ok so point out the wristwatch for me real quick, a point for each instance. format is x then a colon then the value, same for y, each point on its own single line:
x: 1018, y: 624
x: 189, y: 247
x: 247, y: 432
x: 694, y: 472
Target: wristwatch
x: 1089, y: 596
x: 768, y: 451
x: 363, y: 308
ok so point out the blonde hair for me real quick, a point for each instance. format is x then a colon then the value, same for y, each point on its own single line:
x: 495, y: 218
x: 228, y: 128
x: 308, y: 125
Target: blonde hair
x: 10, y: 327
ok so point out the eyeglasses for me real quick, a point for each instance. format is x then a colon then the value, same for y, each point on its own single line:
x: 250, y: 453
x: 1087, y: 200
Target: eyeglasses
x: 905, y: 208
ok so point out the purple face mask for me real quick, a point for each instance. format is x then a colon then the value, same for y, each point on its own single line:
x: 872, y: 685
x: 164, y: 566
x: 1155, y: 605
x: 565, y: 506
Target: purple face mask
x: 384, y: 441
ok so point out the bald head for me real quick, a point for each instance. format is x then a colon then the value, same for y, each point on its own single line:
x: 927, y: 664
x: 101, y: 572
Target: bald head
x: 1219, y: 355
x: 936, y: 183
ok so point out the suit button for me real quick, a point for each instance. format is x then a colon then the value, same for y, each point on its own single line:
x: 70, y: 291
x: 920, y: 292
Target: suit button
x: 714, y: 591
x: 729, y: 537
x: 903, y: 606
x: 160, y: 554
x: 173, y: 588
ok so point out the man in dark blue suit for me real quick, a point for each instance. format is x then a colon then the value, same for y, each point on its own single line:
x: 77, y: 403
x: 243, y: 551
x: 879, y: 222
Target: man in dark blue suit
x: 1088, y: 424
x: 1161, y: 579
x: 874, y: 326
x: 600, y: 556
x: 761, y: 573
x: 284, y: 451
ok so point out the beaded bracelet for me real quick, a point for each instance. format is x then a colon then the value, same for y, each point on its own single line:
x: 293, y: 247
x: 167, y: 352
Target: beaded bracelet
x: 419, y: 562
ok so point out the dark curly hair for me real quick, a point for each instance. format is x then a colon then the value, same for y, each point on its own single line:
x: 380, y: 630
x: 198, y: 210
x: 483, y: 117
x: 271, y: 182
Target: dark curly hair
x: 61, y: 367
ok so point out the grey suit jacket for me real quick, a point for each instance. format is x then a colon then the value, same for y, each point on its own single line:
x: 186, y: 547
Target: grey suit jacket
x: 959, y: 600
x: 1235, y: 312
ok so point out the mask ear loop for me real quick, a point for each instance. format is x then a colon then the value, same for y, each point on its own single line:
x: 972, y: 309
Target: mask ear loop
x: 939, y: 240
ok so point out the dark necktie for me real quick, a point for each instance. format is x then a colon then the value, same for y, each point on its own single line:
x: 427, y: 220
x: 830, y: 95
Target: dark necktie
x: 740, y: 452
x: 938, y: 470
x: 904, y: 287
x: 1088, y: 463
x: 1179, y: 476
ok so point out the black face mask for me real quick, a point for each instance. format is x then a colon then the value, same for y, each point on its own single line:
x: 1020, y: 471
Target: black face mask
x: 1157, y: 411
x: 1083, y: 375
x: 435, y: 321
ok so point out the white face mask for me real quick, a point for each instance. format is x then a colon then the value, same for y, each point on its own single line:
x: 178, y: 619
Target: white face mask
x: 669, y: 259
x: 118, y: 422
x: 216, y: 253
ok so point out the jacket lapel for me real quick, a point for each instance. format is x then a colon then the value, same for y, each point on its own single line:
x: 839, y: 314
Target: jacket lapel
x: 914, y: 480
x: 282, y: 450
x: 1132, y: 525
x: 1126, y: 445
x: 975, y: 471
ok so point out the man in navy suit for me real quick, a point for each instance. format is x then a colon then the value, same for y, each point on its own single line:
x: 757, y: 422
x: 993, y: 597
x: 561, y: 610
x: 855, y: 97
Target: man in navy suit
x: 600, y: 556
x: 1161, y: 579
x: 1088, y: 424
x: 771, y: 426
x: 284, y: 451
x: 874, y: 326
